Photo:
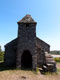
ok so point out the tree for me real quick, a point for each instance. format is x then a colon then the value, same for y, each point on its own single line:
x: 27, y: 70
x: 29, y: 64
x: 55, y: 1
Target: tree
x: 0, y: 48
x: 1, y: 54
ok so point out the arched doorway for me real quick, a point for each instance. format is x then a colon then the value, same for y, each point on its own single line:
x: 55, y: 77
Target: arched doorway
x: 26, y: 60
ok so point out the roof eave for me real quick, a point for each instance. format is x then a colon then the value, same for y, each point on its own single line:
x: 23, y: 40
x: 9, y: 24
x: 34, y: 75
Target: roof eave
x: 26, y: 22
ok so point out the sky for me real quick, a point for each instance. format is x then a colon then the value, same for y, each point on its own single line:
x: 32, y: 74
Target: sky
x: 45, y: 12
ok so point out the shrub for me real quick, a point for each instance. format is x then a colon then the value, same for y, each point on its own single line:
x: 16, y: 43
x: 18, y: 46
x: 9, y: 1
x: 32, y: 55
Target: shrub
x: 57, y: 59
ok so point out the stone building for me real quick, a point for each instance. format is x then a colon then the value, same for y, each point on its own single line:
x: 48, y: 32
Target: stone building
x: 27, y: 50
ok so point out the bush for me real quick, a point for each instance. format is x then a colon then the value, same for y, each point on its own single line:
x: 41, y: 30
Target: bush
x: 57, y: 59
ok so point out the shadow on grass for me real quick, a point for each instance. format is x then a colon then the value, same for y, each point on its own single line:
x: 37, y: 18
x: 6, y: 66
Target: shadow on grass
x: 3, y: 67
x: 48, y: 72
x: 26, y: 69
x: 44, y: 72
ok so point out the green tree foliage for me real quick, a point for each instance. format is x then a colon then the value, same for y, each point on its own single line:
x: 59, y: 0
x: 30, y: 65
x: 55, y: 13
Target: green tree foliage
x: 1, y: 55
x: 0, y: 49
x: 55, y: 52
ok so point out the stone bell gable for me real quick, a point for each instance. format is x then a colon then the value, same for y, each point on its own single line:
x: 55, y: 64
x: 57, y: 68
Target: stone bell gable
x: 26, y: 51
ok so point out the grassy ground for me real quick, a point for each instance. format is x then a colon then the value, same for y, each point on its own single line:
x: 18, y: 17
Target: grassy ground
x: 15, y: 74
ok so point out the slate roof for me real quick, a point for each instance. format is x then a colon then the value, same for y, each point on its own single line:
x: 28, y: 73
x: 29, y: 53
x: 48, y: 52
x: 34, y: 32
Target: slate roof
x: 41, y: 41
x: 27, y: 19
x: 38, y: 42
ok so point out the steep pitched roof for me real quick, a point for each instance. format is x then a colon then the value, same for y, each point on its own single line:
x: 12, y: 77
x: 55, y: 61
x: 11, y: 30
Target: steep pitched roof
x: 42, y: 44
x: 13, y: 42
x: 27, y: 19
x: 41, y: 41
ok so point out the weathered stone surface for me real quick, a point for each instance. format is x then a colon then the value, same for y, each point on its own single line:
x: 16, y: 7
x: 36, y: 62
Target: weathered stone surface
x: 50, y: 63
x: 10, y: 53
x: 26, y: 43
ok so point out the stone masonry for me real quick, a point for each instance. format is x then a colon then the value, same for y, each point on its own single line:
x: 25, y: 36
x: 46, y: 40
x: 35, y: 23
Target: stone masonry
x: 27, y: 50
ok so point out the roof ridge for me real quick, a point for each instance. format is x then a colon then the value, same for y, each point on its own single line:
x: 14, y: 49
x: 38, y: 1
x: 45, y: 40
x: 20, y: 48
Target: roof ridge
x: 27, y: 19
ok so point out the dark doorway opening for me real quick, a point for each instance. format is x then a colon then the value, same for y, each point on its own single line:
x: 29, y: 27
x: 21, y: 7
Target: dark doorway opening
x: 26, y: 60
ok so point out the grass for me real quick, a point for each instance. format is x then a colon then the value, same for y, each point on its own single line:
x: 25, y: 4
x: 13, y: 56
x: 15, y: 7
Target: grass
x: 26, y: 75
x: 7, y: 73
x: 58, y: 69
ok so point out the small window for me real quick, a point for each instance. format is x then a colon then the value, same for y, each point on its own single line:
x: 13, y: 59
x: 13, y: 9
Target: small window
x: 27, y: 25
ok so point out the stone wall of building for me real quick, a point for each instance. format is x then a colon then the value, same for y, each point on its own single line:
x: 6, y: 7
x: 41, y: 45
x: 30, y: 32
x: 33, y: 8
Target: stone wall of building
x: 26, y: 41
x: 10, y: 53
x: 43, y: 45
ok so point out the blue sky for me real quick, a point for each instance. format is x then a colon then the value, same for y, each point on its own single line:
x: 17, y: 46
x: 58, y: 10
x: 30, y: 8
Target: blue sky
x: 45, y: 12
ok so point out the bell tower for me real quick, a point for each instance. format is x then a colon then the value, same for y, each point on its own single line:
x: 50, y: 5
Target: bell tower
x: 27, y: 28
x: 26, y: 39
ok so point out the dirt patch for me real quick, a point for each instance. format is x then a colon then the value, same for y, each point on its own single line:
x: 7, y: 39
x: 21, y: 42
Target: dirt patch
x: 28, y: 75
